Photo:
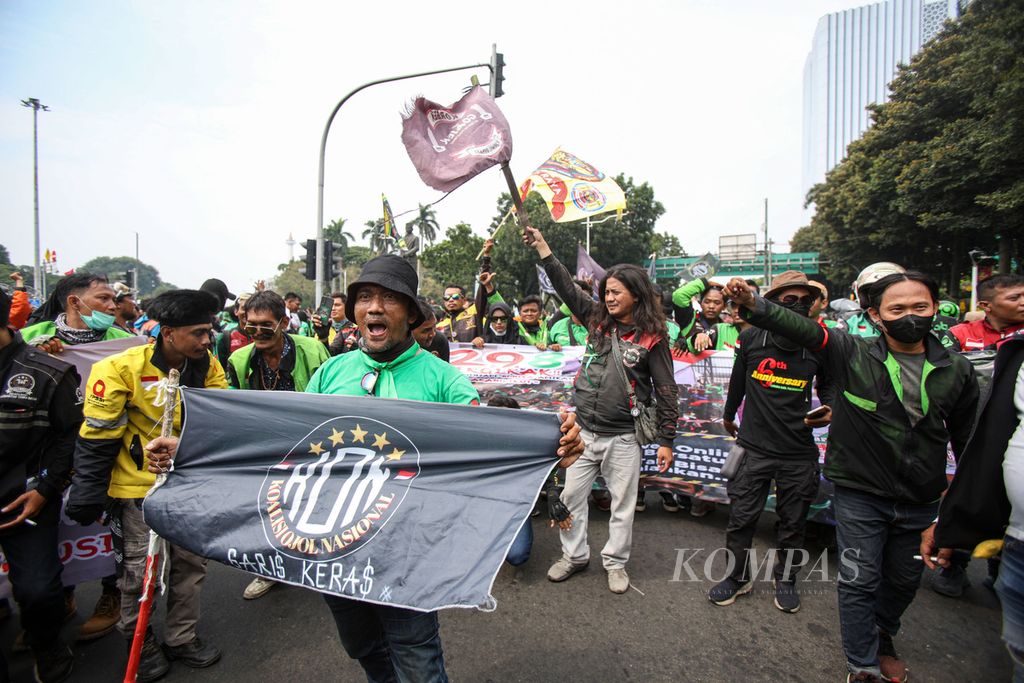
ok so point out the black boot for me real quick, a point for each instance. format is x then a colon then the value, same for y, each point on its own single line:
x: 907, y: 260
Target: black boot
x: 152, y: 662
x: 196, y: 653
x: 53, y: 663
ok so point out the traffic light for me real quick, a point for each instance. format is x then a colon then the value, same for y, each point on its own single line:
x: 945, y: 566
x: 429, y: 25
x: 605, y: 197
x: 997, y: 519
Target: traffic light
x: 497, y: 72
x: 333, y: 259
x: 130, y: 279
x: 311, y: 259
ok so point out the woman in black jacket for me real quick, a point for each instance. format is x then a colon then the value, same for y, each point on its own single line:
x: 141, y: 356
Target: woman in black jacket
x: 628, y: 312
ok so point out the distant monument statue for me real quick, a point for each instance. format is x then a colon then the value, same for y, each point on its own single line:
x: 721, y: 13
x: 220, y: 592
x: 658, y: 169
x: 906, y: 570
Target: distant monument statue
x: 409, y: 245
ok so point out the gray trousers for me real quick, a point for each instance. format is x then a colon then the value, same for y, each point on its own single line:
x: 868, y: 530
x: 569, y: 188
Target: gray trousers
x: 617, y: 458
x: 184, y: 581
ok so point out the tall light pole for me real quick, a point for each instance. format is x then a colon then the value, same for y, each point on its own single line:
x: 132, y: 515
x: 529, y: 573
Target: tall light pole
x: 35, y: 105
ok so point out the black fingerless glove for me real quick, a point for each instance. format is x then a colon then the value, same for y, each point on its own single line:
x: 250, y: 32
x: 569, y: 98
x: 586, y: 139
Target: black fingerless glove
x: 556, y: 508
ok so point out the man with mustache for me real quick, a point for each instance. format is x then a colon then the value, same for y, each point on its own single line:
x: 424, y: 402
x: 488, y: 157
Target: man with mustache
x: 393, y: 643
x: 275, y: 361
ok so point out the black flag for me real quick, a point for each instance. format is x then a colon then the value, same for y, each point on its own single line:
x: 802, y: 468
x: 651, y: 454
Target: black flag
x: 394, y: 502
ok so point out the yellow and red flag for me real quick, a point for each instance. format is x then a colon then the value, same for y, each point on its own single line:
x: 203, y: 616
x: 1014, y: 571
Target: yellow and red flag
x: 389, y: 219
x: 573, y: 189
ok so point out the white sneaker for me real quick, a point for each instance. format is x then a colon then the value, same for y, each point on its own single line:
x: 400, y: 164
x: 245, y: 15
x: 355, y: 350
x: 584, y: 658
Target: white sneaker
x: 618, y: 580
x: 563, y: 569
x: 258, y: 588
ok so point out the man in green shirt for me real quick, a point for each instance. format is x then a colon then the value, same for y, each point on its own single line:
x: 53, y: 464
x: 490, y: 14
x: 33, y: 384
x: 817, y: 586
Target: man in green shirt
x: 393, y: 643
x: 532, y: 328
x: 275, y: 361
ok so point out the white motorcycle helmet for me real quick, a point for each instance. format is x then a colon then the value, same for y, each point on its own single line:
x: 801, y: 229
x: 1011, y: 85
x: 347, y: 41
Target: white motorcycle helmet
x: 874, y: 273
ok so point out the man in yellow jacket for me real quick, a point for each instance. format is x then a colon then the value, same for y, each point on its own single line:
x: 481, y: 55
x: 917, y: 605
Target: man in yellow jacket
x: 123, y: 411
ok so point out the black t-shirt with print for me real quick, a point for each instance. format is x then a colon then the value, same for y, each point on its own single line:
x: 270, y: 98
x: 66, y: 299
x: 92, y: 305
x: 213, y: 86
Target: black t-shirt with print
x: 776, y: 378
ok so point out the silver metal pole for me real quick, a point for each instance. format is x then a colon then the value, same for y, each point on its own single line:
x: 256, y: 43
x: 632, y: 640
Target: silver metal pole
x: 588, y: 234
x: 37, y: 274
x: 767, y: 248
x: 974, y: 284
x: 323, y: 154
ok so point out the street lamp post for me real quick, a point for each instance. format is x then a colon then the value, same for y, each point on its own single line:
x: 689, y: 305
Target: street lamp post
x: 35, y: 105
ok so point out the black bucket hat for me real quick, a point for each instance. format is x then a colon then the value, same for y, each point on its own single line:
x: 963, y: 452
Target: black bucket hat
x: 390, y: 272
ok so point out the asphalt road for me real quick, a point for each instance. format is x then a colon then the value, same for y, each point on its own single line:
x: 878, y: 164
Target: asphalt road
x: 664, y: 630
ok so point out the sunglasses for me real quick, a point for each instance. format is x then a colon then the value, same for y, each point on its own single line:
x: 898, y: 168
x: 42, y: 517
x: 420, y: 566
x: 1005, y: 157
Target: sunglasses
x: 261, y: 330
x: 791, y: 299
x: 452, y: 297
x: 499, y: 319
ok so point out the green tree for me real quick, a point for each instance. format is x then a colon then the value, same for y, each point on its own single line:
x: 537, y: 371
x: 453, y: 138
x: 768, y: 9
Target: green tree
x: 426, y: 222
x: 453, y: 260
x: 940, y: 171
x: 5, y: 258
x: 374, y: 234
x: 626, y: 240
x: 358, y: 255
x: 807, y: 238
x: 335, y: 232
x: 26, y: 271
x: 114, y: 267
x: 291, y: 277
x: 667, y: 244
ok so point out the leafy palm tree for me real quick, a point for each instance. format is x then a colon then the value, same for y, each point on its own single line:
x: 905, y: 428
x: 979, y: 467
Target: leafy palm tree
x: 335, y: 232
x: 375, y: 235
x: 426, y: 221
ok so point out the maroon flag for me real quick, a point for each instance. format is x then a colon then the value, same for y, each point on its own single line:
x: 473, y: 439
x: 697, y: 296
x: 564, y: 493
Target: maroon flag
x: 450, y: 145
x: 587, y: 268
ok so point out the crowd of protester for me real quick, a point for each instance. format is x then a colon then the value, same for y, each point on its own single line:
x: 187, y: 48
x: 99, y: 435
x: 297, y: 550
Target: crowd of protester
x: 884, y: 369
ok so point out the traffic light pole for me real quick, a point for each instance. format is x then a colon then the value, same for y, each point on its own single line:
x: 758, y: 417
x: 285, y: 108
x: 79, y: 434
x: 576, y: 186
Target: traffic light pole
x: 323, y: 153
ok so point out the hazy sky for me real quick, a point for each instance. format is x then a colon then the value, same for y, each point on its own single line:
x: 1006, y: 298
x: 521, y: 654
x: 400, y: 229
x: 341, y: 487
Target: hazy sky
x: 198, y: 124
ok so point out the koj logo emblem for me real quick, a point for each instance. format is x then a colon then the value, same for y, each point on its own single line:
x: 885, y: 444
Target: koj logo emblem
x: 337, y: 488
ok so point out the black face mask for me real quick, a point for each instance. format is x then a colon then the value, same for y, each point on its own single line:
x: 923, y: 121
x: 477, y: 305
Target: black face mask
x: 909, y: 328
x: 798, y: 307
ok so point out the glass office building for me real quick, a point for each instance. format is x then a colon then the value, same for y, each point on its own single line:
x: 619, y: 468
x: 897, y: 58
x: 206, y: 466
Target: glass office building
x: 853, y: 58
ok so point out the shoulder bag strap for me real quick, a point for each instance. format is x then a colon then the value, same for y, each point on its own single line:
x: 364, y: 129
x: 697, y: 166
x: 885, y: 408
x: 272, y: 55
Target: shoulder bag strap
x: 617, y: 360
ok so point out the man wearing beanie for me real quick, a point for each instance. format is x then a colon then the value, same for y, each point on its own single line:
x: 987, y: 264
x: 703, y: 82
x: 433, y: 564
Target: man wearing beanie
x: 392, y: 643
x: 40, y: 412
x: 121, y: 416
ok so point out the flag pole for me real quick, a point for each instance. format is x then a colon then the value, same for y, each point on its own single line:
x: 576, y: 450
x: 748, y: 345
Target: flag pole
x: 521, y: 216
x: 494, y: 234
x: 150, y: 577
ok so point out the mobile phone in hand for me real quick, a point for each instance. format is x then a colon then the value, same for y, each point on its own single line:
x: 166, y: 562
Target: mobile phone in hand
x: 324, y: 309
x: 820, y: 411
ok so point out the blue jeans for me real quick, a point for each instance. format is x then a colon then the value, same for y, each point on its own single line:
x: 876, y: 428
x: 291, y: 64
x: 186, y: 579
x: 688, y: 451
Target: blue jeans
x: 1010, y: 588
x: 877, y: 539
x: 519, y: 552
x: 393, y: 644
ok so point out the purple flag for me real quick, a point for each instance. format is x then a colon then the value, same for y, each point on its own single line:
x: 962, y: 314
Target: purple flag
x: 587, y: 267
x: 545, y: 281
x: 450, y: 145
